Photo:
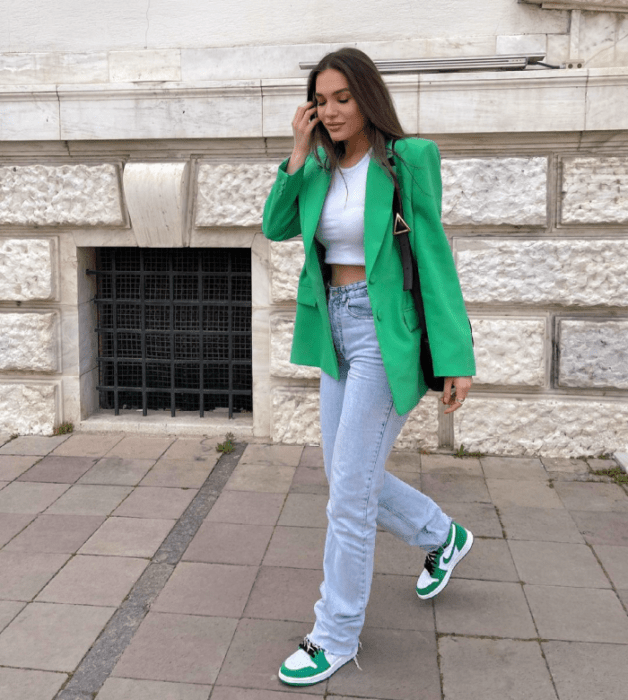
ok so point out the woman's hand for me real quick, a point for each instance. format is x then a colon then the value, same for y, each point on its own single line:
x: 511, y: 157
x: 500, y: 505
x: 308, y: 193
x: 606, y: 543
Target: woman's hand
x: 305, y: 119
x: 455, y: 392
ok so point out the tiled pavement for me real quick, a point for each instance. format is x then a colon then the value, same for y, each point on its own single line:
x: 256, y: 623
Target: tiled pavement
x: 137, y: 568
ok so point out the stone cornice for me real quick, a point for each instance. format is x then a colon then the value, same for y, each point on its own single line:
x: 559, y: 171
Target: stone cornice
x: 595, y: 5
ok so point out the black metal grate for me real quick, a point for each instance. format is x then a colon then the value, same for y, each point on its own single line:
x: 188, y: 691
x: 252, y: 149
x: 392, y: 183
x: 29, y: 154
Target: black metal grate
x: 174, y: 329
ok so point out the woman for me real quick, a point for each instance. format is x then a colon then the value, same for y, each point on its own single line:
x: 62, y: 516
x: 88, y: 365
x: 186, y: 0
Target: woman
x: 356, y: 323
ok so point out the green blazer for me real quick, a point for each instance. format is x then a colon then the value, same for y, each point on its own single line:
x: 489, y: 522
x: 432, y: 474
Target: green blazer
x: 294, y: 207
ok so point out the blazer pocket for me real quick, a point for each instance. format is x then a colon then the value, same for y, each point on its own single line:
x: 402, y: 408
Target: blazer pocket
x: 305, y: 295
x: 411, y: 318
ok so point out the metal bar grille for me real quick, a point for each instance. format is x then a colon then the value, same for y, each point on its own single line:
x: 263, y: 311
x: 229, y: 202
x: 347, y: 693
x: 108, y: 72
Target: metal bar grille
x: 174, y: 329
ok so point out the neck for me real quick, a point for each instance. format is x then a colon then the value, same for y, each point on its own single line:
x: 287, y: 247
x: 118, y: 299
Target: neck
x: 356, y: 147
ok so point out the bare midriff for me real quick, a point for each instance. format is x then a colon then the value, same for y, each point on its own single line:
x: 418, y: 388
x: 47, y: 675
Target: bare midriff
x: 342, y: 275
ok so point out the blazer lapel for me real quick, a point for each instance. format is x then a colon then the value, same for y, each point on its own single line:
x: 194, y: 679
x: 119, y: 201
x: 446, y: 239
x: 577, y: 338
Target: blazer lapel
x: 377, y: 213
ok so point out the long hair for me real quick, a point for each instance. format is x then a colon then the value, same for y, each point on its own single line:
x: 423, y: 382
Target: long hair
x: 373, y: 99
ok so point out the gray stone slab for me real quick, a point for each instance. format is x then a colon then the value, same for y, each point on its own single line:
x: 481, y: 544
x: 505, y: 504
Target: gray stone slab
x: 394, y: 556
x: 298, y: 547
x: 623, y: 597
x: 563, y: 464
x: 524, y: 468
x: 261, y: 478
x: 20, y: 497
x: 24, y: 574
x: 602, y: 528
x: 304, y: 510
x: 413, y: 479
x: 32, y: 445
x: 615, y: 562
x: 140, y: 447
x: 582, y: 671
x: 194, y: 450
x: 393, y: 604
x: 55, y: 533
x: 178, y: 473
x: 127, y: 689
x: 11, y: 466
x: 310, y: 480
x: 20, y: 684
x: 224, y: 693
x: 8, y: 611
x: 578, y: 614
x: 84, y: 499
x: 128, y: 537
x: 51, y: 637
x: 282, y: 593
x: 156, y: 502
x: 490, y: 560
x: 88, y: 444
x: 251, y: 664
x: 599, y: 497
x: 394, y: 664
x: 485, y: 608
x: 60, y: 470
x: 311, y: 456
x: 494, y: 669
x: 246, y: 508
x: 480, y: 518
x: 272, y: 455
x: 524, y: 494
x: 402, y: 462
x: 12, y: 523
x: 177, y: 648
x: 207, y: 589
x: 453, y: 487
x: 229, y: 543
x: 90, y: 580
x: 448, y: 464
x: 539, y: 524
x: 557, y: 564
x: 117, y: 471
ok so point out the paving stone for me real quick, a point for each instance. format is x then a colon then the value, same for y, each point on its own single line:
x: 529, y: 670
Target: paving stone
x: 490, y: 560
x: 55, y: 533
x: 19, y: 497
x: 310, y: 480
x: 557, y: 564
x: 599, y: 497
x: 12, y: 523
x: 127, y: 689
x: 117, y: 471
x: 484, y: 608
x: 623, y: 596
x: 304, y: 509
x: 402, y: 462
x: 518, y: 468
x: 583, y: 671
x: 602, y: 528
x: 268, y: 479
x: 601, y: 464
x: 8, y: 610
x: 177, y: 648
x: 51, y: 637
x: 258, y: 649
x: 11, y: 466
x: 394, y: 663
x: 207, y: 589
x: 54, y: 469
x: 84, y: 499
x: 128, y: 537
x: 448, y: 464
x: 194, y: 449
x: 282, y: 593
x: 506, y: 493
x: 494, y: 669
x: 89, y: 580
x: 156, y: 502
x: 578, y: 614
x: 297, y: 547
x: 140, y: 447
x: 480, y: 518
x: 615, y: 562
x: 246, y: 508
x: 393, y: 604
x: 229, y: 543
x: 272, y: 455
x: 560, y: 464
x: 413, y: 479
x: 453, y: 487
x: 257, y: 694
x: 88, y: 444
x: 394, y: 556
x: 311, y: 457
x: 539, y: 524
x: 181, y: 473
x: 19, y: 684
x: 23, y: 575
x: 32, y: 445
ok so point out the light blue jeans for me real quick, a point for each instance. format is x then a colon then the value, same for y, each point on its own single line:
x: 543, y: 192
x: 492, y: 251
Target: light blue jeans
x: 359, y: 425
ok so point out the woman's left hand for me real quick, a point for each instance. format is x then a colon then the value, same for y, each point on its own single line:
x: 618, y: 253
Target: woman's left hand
x: 455, y: 392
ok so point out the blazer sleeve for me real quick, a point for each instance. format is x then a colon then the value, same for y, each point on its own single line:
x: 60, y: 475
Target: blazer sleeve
x: 281, y: 211
x: 446, y: 317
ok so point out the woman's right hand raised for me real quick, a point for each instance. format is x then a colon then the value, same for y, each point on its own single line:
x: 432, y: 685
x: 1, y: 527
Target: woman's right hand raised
x: 305, y: 119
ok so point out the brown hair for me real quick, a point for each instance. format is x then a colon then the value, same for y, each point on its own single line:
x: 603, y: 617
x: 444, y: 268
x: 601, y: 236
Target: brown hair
x: 370, y: 92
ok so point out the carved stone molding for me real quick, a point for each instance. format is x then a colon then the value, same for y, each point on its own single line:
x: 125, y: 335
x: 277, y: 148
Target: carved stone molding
x: 595, y: 5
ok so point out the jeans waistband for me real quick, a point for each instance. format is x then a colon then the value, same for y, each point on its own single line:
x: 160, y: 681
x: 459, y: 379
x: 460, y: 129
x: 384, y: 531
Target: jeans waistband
x: 356, y: 289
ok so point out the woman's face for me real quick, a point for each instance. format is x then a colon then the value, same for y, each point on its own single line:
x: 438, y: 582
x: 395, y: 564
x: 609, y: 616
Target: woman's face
x: 336, y: 107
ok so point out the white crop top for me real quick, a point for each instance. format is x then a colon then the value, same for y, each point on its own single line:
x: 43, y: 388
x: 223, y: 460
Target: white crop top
x: 341, y: 226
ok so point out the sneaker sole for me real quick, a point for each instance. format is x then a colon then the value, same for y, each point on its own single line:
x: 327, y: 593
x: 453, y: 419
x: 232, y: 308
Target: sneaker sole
x: 312, y: 680
x: 457, y: 559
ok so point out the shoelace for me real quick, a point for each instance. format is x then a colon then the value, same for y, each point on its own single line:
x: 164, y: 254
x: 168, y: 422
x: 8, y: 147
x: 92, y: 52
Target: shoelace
x: 430, y: 560
x: 309, y: 647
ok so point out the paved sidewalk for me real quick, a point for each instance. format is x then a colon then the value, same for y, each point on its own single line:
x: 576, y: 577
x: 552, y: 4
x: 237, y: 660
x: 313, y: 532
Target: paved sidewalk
x: 139, y: 568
